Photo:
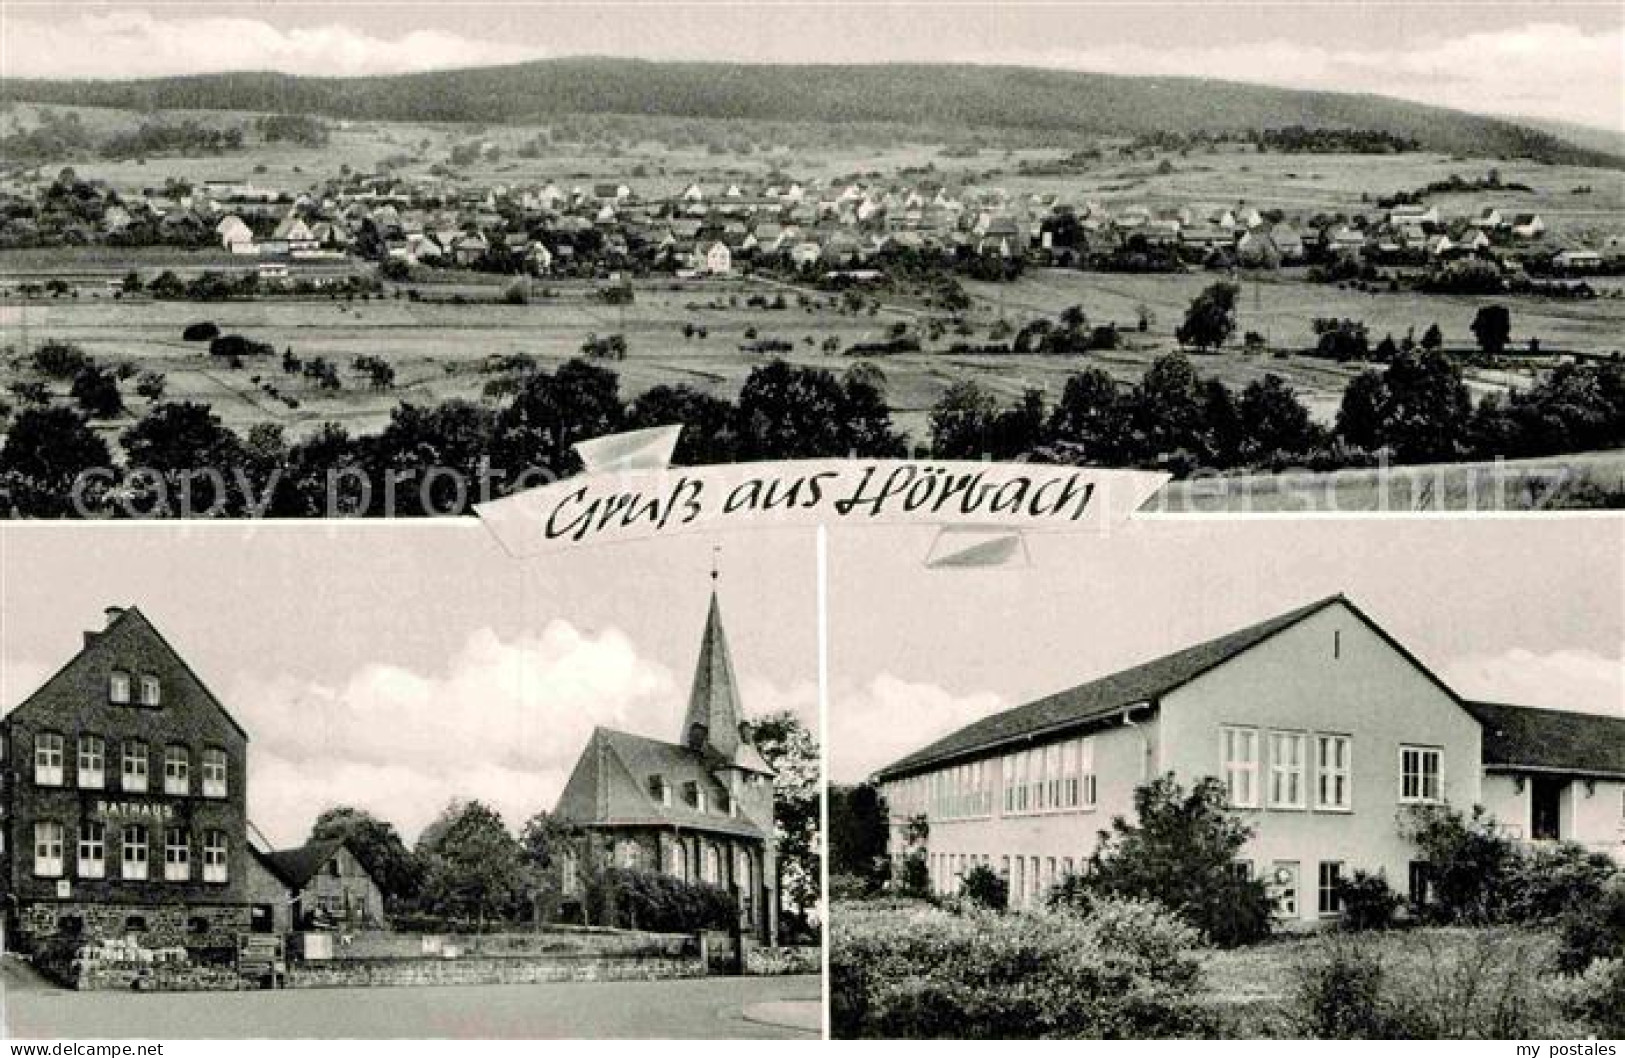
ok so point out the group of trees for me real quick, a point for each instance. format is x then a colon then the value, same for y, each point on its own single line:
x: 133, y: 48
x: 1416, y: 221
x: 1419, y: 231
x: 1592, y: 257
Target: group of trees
x: 469, y: 870
x: 429, y: 459
x: 1416, y: 408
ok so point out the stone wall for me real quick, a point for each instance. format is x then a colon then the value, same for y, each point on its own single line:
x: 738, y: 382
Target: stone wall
x: 166, y: 925
x: 478, y: 970
x: 374, y: 944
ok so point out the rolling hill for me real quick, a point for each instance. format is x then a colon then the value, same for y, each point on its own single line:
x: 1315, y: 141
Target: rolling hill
x: 1057, y: 104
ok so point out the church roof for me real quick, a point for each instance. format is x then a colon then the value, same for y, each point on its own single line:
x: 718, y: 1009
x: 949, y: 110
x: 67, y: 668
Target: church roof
x: 712, y: 724
x: 611, y: 785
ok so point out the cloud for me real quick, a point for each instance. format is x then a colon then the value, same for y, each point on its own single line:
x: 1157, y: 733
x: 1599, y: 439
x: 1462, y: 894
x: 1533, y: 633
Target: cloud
x: 1540, y: 70
x: 135, y: 44
x: 876, y: 724
x: 502, y: 721
x: 1579, y: 680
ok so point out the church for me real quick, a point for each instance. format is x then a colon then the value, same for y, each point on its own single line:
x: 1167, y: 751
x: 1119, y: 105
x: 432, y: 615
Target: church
x: 699, y: 809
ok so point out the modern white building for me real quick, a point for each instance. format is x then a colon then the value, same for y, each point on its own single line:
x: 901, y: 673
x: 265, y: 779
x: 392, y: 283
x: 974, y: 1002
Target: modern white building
x: 1324, y: 729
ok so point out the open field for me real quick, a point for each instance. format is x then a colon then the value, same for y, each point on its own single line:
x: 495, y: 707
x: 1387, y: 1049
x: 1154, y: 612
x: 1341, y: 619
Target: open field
x: 437, y: 347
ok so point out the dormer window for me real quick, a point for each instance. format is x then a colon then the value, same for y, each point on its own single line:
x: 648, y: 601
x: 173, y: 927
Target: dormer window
x: 725, y: 803
x: 660, y: 790
x: 118, y: 688
x: 151, y: 691
x: 694, y: 795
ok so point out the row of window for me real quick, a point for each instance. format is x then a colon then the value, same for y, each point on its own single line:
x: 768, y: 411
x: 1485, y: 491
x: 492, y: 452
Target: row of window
x: 1302, y: 769
x: 91, y: 765
x: 1030, y: 877
x: 1058, y: 777
x: 133, y: 852
x: 120, y: 684
x: 694, y: 796
x: 1289, y: 782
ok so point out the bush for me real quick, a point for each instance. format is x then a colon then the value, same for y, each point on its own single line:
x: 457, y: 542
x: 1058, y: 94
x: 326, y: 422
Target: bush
x: 1368, y: 901
x: 775, y: 962
x: 1592, y: 931
x: 1467, y: 860
x: 1543, y: 883
x: 1597, y: 998
x: 983, y: 887
x: 235, y: 345
x: 1181, y: 852
x: 658, y: 902
x: 1337, y: 994
x: 1426, y: 985
x: 1126, y: 972
x: 201, y: 332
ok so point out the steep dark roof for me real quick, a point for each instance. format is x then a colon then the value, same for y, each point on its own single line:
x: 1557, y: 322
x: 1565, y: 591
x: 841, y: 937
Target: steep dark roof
x: 93, y: 642
x: 297, y: 867
x: 610, y: 786
x: 1101, y: 698
x: 1518, y: 738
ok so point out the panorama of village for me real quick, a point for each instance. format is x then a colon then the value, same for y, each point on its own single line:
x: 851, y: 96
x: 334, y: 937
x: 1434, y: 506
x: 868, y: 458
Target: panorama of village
x: 312, y: 296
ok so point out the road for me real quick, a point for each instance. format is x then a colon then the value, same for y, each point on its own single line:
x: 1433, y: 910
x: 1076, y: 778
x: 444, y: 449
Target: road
x: 708, y: 1008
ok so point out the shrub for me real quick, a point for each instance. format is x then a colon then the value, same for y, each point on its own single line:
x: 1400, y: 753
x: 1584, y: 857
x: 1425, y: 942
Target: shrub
x: 200, y: 332
x: 1435, y: 984
x: 1594, y: 930
x: 1181, y: 852
x: 1368, y: 901
x: 658, y: 902
x: 983, y: 887
x: 1127, y: 972
x: 774, y: 962
x: 1337, y: 993
x: 61, y: 360
x: 1597, y: 998
x: 1543, y: 883
x: 1467, y: 862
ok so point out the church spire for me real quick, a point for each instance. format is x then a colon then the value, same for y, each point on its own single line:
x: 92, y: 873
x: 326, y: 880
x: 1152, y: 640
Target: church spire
x: 714, y: 717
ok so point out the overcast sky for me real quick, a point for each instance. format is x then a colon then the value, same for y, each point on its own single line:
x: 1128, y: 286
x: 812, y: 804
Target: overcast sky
x: 1527, y: 611
x: 397, y: 666
x: 1542, y: 59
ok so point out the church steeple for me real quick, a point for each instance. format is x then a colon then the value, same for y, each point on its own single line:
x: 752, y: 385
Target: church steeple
x: 714, y: 716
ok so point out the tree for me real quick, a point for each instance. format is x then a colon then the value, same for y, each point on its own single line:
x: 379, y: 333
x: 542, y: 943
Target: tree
x: 1092, y: 415
x: 436, y: 454
x: 1274, y: 421
x: 1364, y: 409
x: 1166, y: 408
x: 45, y: 453
x: 471, y: 864
x: 551, y: 412
x: 707, y: 422
x: 1492, y: 326
x: 186, y: 446
x: 859, y: 832
x: 95, y: 390
x: 549, y: 847
x: 1428, y: 409
x: 1181, y: 850
x: 376, y: 844
x: 1211, y: 317
x: 1433, y: 338
x: 962, y: 421
x: 790, y: 412
x: 793, y: 754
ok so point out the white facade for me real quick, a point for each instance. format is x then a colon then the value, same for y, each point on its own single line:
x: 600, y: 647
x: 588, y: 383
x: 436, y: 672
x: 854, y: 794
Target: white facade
x: 1325, y: 732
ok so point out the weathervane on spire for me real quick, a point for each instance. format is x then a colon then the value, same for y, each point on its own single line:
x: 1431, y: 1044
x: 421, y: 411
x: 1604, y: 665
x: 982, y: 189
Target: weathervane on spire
x: 716, y: 549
